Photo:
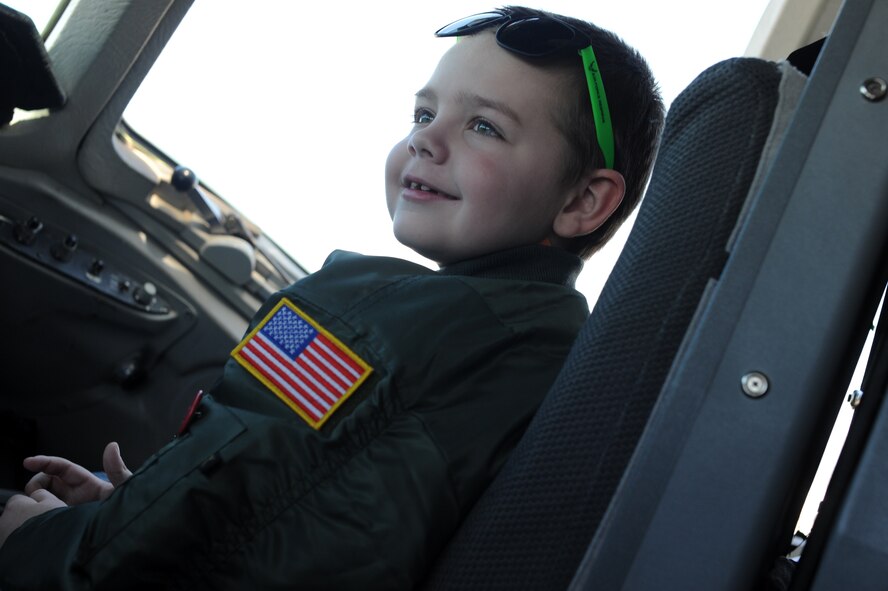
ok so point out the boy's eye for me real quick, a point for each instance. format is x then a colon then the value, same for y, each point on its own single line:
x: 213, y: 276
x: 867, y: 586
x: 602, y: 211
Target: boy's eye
x: 485, y: 127
x: 422, y: 116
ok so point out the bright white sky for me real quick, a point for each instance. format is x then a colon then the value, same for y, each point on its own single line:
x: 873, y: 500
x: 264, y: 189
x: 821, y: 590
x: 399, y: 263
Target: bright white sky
x: 288, y: 110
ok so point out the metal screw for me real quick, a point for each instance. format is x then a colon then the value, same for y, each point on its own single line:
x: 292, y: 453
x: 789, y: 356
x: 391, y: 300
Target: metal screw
x: 874, y: 89
x: 126, y: 370
x: 755, y: 384
x: 855, y: 397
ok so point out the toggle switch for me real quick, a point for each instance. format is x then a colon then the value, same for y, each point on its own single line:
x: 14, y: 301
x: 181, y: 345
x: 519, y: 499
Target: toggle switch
x: 96, y: 267
x: 26, y: 232
x: 64, y: 250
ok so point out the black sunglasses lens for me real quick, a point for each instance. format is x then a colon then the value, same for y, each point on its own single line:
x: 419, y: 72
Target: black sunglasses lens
x: 470, y: 24
x: 536, y: 37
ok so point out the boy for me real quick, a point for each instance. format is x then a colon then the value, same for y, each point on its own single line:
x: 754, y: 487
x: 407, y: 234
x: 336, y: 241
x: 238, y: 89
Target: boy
x: 370, y: 403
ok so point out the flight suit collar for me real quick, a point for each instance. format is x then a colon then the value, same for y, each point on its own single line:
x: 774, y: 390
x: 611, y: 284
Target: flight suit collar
x: 531, y: 263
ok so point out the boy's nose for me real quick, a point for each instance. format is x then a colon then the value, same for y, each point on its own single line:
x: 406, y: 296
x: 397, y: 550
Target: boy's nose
x: 426, y: 143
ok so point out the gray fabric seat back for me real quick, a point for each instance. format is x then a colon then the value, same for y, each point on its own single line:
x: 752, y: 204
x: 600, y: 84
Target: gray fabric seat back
x: 531, y: 528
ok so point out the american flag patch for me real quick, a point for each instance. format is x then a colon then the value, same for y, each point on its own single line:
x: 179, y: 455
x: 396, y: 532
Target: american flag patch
x: 303, y: 364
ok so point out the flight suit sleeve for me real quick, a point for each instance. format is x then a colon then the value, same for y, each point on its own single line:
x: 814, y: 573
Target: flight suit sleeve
x: 37, y: 555
x: 218, y: 509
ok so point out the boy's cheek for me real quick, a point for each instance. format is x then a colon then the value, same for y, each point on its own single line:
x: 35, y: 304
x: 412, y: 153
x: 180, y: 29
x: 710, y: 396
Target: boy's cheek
x: 396, y: 160
x: 392, y: 194
x: 394, y: 167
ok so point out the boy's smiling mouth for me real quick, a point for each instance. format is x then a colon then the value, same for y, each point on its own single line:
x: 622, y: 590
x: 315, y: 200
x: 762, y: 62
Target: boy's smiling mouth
x: 418, y: 189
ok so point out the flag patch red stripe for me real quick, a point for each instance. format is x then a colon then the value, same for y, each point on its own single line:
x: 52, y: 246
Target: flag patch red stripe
x: 260, y: 366
x: 350, y: 366
x: 288, y: 372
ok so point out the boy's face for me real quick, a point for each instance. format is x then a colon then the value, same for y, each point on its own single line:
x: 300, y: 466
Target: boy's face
x: 482, y: 168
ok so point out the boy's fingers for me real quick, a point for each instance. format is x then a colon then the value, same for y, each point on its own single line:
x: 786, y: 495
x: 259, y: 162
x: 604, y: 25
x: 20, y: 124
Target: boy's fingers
x: 44, y: 497
x: 36, y: 463
x: 38, y: 481
x: 41, y: 494
x: 112, y: 462
x: 55, y: 466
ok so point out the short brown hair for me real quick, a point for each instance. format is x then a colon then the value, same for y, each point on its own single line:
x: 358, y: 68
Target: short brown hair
x: 637, y: 115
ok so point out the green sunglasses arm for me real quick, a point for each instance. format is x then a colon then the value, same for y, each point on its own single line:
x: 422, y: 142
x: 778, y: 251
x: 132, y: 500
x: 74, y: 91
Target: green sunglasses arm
x: 600, y: 111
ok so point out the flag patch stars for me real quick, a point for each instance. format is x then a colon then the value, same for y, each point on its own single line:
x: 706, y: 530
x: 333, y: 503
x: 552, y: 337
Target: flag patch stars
x: 303, y: 364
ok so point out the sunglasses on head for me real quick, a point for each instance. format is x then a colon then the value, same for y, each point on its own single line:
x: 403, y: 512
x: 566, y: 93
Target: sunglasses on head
x: 540, y: 36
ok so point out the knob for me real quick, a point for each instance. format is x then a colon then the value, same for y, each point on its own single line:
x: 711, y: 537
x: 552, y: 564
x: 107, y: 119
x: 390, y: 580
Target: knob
x: 145, y: 294
x: 183, y: 179
x: 26, y: 232
x: 96, y: 267
x: 63, y: 251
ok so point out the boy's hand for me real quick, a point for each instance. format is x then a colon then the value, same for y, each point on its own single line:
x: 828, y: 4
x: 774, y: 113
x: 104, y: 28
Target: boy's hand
x: 20, y: 508
x: 112, y: 464
x: 72, y: 483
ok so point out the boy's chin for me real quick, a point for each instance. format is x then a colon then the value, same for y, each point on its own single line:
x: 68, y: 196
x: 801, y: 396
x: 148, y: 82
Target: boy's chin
x: 434, y: 255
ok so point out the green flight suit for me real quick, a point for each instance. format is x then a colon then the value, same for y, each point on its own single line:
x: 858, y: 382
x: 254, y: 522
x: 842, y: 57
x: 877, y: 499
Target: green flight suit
x: 253, y: 497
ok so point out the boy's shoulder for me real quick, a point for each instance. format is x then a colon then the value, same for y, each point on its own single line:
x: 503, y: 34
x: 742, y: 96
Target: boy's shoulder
x: 516, y: 287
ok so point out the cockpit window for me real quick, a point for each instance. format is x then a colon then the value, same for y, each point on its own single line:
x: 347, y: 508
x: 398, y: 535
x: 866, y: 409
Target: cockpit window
x: 288, y: 112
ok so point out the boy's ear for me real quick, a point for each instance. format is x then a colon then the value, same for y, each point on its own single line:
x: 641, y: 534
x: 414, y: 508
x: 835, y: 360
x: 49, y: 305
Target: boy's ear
x: 592, y: 201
